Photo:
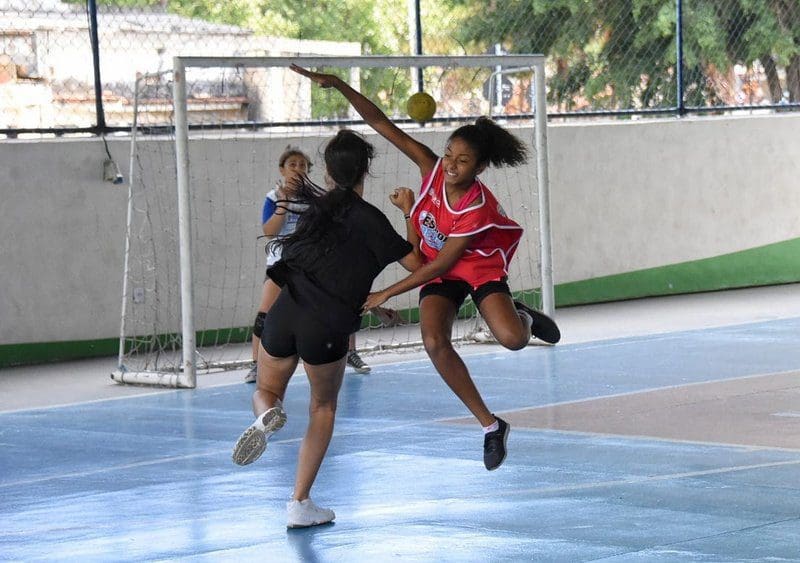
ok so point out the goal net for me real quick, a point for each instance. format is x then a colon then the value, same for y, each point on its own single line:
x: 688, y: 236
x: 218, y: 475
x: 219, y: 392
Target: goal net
x: 205, y: 146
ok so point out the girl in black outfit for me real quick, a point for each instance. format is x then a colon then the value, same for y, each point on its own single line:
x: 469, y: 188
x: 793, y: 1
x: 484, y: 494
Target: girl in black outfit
x: 326, y: 271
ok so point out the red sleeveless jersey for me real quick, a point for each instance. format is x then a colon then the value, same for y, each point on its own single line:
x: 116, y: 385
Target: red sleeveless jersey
x: 476, y: 214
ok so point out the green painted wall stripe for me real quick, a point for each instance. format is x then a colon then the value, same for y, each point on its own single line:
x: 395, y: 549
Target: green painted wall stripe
x: 772, y: 264
x: 38, y: 353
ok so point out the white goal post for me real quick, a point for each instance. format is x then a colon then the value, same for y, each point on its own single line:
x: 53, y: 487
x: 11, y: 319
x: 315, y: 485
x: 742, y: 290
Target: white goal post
x: 197, y: 174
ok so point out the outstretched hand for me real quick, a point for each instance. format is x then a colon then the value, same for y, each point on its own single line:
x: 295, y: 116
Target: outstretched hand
x: 324, y: 80
x: 374, y: 300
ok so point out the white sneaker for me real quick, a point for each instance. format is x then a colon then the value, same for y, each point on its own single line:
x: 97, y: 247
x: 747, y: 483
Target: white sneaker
x: 304, y: 513
x: 253, y: 441
x: 252, y: 375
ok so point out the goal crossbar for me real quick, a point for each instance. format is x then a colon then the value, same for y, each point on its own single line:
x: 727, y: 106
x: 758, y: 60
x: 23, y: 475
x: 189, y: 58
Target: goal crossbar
x: 366, y: 61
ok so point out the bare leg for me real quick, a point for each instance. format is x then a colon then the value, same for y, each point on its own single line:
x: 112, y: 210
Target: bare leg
x: 256, y: 344
x: 351, y: 345
x: 498, y: 310
x: 273, y: 377
x: 437, y: 314
x: 325, y: 380
x: 269, y: 293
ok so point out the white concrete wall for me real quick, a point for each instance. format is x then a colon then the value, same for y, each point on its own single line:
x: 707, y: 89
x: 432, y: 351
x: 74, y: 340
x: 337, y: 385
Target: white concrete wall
x: 61, y: 241
x: 625, y: 196
x: 635, y: 195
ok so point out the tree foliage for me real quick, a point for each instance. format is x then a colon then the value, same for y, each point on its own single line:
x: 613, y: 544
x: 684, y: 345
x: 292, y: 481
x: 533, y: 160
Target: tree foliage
x: 377, y: 25
x: 622, y: 53
x: 605, y: 54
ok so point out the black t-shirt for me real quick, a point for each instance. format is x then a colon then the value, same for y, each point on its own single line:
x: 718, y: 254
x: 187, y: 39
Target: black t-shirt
x: 336, y: 285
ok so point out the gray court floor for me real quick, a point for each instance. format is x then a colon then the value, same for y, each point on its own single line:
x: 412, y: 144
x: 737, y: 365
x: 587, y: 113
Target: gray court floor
x: 658, y: 430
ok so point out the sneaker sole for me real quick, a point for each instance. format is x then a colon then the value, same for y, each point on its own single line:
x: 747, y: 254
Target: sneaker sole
x: 253, y: 441
x: 361, y: 370
x: 505, y: 448
x: 296, y: 526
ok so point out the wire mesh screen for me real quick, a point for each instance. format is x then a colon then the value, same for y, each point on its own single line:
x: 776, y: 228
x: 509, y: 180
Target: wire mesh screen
x: 46, y: 72
x: 603, y: 56
x: 622, y: 55
x: 47, y: 69
x: 742, y: 52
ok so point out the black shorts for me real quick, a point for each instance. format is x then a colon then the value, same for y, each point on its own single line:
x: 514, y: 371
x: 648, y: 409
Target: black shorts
x: 457, y: 290
x: 290, y: 330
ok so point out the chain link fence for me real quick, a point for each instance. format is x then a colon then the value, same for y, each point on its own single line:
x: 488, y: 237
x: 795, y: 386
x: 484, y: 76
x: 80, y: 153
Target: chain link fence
x: 621, y: 55
x: 70, y: 66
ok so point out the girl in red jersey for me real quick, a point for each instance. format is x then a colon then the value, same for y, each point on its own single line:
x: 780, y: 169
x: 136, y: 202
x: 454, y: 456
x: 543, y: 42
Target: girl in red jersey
x: 467, y: 243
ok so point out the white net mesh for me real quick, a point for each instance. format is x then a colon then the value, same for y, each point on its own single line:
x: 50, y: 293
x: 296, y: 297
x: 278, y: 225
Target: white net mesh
x: 240, y: 121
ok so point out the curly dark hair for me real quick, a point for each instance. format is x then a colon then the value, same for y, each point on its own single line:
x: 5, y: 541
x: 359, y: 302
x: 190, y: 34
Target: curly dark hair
x: 493, y: 144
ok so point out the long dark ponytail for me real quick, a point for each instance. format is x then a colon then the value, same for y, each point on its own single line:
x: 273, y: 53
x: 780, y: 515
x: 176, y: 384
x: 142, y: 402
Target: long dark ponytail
x: 322, y: 224
x: 493, y: 144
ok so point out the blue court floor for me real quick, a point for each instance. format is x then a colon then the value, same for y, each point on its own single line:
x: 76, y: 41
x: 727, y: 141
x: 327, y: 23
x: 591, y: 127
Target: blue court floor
x: 678, y: 446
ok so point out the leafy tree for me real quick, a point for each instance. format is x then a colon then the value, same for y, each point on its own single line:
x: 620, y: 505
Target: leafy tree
x: 609, y: 54
x: 378, y: 25
x: 605, y: 54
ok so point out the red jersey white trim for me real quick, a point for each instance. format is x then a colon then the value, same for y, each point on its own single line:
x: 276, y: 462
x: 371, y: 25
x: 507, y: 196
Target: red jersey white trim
x: 495, y: 236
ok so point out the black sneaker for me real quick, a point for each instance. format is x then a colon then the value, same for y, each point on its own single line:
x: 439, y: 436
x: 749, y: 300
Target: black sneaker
x: 543, y: 327
x: 494, y: 446
x: 355, y: 362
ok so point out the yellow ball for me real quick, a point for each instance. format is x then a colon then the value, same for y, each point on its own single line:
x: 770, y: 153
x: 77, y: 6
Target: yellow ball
x: 421, y: 107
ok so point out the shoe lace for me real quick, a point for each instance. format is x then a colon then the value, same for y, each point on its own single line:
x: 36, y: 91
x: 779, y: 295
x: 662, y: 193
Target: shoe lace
x: 493, y: 442
x: 355, y: 360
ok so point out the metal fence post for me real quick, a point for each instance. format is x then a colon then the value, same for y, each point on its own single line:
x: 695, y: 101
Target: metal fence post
x: 418, y: 42
x: 680, y: 103
x: 98, y: 85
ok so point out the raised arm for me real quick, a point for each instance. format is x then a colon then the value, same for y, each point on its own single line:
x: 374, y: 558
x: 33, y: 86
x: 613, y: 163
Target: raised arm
x: 420, y: 154
x: 284, y: 193
x: 275, y: 217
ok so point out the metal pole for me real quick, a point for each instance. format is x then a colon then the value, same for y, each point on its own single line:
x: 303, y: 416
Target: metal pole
x: 418, y: 46
x: 98, y: 85
x: 543, y: 179
x: 129, y: 219
x: 189, y: 378
x: 681, y: 106
x: 498, y: 85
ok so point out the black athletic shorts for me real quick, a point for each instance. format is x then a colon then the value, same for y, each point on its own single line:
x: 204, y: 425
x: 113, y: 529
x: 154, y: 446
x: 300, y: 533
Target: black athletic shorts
x: 290, y: 330
x: 457, y: 290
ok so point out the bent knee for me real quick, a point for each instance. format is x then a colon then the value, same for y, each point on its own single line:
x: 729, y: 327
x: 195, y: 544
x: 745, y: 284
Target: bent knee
x: 436, y: 343
x: 512, y: 341
x: 322, y: 407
